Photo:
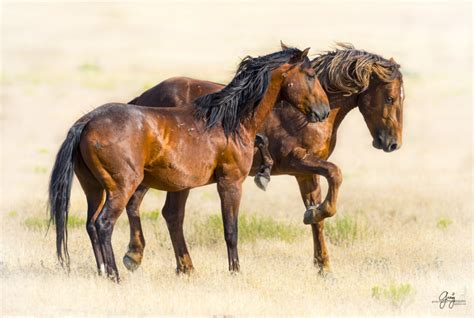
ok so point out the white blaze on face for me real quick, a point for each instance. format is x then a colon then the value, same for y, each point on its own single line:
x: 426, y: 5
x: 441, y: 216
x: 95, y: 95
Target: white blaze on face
x: 402, y: 93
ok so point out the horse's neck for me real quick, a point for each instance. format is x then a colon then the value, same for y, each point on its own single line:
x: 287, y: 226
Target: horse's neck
x: 270, y: 98
x: 340, y: 106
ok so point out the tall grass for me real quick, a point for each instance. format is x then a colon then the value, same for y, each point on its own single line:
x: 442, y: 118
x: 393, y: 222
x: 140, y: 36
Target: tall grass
x: 251, y: 229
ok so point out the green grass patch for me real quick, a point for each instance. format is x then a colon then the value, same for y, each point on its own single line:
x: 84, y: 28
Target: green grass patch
x: 42, y: 151
x: 40, y: 169
x: 251, y: 228
x: 396, y: 294
x: 89, y: 68
x: 208, y: 196
x: 443, y: 223
x: 343, y: 231
x: 151, y: 215
x: 76, y: 221
x: 12, y: 214
x: 37, y: 223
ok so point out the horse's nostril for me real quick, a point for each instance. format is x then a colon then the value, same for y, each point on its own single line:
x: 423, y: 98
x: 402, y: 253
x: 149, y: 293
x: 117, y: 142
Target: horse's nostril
x: 379, y: 139
x: 393, y: 147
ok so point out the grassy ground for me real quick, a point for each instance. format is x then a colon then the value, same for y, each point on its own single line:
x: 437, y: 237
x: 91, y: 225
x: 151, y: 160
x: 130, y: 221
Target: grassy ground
x: 403, y: 231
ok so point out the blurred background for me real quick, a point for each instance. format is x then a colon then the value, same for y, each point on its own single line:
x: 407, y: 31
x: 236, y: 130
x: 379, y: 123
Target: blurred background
x: 61, y: 60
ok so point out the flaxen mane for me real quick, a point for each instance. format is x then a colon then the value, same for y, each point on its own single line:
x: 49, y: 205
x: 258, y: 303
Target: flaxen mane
x: 349, y: 70
x: 240, y: 98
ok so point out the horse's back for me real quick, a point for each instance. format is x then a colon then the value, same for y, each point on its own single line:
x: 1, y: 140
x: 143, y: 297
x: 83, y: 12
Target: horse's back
x: 175, y: 92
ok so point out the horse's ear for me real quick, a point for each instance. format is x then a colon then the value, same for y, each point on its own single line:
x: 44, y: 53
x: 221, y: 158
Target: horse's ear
x: 299, y: 57
x: 305, y: 53
x: 284, y: 46
x: 396, y: 65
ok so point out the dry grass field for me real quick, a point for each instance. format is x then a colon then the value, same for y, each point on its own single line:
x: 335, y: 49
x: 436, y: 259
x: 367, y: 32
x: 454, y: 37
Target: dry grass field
x: 404, y: 228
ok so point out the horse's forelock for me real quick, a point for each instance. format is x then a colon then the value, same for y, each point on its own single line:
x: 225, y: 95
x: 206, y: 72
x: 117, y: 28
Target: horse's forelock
x: 349, y: 70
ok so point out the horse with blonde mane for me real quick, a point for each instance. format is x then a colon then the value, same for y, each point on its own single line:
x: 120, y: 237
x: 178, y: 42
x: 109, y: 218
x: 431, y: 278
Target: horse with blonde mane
x: 352, y: 78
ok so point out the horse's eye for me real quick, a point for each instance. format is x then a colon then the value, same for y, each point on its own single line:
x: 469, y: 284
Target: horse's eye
x: 389, y: 100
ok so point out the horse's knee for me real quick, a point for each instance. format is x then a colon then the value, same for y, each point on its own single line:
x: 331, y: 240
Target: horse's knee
x: 103, y: 227
x: 91, y: 229
x: 336, y: 175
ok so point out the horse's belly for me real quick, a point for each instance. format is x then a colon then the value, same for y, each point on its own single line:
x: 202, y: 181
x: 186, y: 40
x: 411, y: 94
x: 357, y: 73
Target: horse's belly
x: 176, y: 176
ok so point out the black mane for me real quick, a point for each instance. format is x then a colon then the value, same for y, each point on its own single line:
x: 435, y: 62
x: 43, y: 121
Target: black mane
x: 240, y: 98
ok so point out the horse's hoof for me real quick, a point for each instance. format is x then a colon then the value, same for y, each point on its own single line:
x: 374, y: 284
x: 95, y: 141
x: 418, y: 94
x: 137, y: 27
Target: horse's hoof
x: 313, y: 215
x: 130, y: 264
x: 187, y: 271
x: 328, y: 276
x: 261, y: 180
x: 310, y: 215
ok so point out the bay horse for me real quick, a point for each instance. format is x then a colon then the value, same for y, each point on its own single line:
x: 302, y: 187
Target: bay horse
x: 351, y: 78
x: 116, y: 147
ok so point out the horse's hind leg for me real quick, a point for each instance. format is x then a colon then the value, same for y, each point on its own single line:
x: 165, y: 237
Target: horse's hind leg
x: 119, y: 189
x: 134, y: 255
x: 113, y: 207
x: 95, y: 201
x: 94, y: 205
x: 173, y: 212
x: 311, y: 194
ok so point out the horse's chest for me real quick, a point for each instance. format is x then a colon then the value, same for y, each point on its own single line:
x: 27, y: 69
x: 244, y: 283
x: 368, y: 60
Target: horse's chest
x: 316, y: 139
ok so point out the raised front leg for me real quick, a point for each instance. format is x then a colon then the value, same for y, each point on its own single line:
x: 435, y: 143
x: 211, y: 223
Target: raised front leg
x: 173, y: 212
x: 262, y: 177
x: 134, y: 255
x: 230, y: 194
x: 304, y: 163
x: 311, y: 194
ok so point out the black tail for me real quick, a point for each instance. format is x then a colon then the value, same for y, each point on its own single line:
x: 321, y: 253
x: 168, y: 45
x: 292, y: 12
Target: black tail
x: 60, y: 188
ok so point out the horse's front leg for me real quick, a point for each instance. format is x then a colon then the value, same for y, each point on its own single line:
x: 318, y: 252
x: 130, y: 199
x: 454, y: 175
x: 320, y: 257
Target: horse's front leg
x: 310, y: 190
x: 133, y: 258
x: 173, y: 212
x: 262, y: 177
x: 302, y: 162
x: 230, y: 193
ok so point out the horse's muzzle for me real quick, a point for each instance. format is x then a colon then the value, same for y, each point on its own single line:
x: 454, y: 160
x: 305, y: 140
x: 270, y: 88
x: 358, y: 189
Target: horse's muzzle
x: 386, y: 143
x: 315, y: 116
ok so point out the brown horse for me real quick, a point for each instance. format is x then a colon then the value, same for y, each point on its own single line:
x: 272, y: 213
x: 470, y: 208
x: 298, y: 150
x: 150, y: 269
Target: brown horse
x: 117, y: 147
x: 352, y: 78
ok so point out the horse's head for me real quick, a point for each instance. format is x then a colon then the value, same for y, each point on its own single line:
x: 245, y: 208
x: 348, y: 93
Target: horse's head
x: 375, y: 82
x: 287, y: 73
x: 381, y: 104
x: 302, y: 89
